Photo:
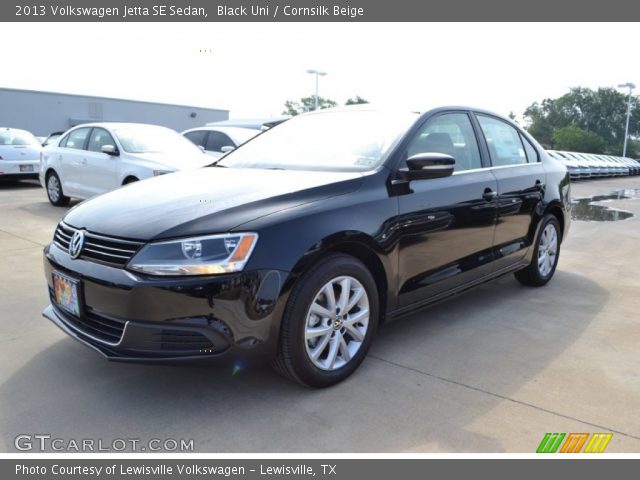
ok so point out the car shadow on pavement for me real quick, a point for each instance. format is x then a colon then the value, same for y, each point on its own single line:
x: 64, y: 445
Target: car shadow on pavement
x: 12, y: 184
x: 429, y: 377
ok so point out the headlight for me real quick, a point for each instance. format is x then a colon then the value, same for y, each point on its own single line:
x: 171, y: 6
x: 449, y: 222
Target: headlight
x: 210, y: 255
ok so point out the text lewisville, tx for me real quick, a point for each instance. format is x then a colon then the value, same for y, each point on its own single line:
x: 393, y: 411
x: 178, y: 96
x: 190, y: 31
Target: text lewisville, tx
x: 180, y: 469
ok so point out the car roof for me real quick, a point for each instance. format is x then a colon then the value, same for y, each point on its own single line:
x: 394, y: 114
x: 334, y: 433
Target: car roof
x: 9, y: 129
x: 117, y: 124
x: 230, y: 130
x: 252, y: 123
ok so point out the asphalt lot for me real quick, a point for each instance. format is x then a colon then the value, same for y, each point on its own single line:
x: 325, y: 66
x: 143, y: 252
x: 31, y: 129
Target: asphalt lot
x: 490, y: 371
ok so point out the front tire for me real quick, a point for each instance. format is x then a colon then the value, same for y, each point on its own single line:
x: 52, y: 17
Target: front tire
x: 54, y: 191
x: 545, y: 255
x: 329, y: 322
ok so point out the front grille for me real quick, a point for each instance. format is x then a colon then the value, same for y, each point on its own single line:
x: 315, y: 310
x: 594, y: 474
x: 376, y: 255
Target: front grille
x: 109, y: 250
x: 95, y: 325
x: 184, y: 342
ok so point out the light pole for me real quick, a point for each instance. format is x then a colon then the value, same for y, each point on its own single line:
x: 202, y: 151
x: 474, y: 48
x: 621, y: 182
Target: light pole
x: 317, y: 73
x: 631, y: 86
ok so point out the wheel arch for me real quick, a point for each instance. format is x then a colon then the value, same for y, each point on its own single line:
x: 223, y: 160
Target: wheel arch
x: 557, y: 211
x: 360, y: 246
x: 130, y: 178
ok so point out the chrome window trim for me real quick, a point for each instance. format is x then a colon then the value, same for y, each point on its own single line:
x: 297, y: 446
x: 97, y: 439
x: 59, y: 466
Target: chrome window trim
x: 460, y: 172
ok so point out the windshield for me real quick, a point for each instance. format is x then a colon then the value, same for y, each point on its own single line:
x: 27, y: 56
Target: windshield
x: 149, y: 139
x: 344, y: 140
x: 242, y: 135
x: 11, y: 136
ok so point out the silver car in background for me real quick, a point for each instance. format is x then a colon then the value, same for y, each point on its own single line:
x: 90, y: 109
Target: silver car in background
x: 19, y: 154
x: 216, y: 141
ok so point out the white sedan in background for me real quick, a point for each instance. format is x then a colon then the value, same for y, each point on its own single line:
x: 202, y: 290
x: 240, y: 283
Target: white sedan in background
x: 95, y: 158
x: 216, y: 141
x: 19, y: 154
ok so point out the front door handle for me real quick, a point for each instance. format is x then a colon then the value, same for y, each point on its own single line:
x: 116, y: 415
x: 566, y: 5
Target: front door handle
x: 489, y: 195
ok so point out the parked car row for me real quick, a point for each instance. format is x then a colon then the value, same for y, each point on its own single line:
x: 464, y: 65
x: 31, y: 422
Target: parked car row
x: 95, y: 158
x: 91, y: 159
x: 591, y: 165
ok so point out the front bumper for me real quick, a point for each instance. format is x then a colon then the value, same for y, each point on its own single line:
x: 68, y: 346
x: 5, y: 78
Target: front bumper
x: 137, y: 318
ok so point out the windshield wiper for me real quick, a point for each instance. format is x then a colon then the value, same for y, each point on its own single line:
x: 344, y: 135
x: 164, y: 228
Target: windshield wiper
x: 217, y: 164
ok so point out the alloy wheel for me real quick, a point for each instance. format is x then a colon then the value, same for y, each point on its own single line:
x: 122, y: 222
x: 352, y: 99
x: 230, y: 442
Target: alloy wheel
x: 53, y: 188
x: 547, y: 250
x: 336, y: 323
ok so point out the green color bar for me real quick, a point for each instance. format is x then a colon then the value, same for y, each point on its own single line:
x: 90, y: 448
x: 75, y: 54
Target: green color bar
x: 550, y: 442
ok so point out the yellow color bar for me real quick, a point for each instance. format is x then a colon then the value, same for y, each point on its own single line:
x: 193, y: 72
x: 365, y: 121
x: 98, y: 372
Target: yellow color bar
x: 598, y: 442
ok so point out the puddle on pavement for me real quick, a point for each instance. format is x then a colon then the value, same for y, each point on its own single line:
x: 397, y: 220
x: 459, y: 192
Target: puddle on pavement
x: 583, y: 208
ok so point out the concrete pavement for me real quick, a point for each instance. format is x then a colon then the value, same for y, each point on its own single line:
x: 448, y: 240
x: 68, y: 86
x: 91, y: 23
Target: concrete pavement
x: 490, y: 371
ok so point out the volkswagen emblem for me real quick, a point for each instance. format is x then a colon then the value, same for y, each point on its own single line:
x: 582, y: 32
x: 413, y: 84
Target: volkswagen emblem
x: 76, y: 244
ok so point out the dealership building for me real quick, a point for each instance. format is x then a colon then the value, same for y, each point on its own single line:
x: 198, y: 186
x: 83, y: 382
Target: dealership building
x: 42, y: 113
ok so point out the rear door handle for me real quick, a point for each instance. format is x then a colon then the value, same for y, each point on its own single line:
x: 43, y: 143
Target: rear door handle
x: 489, y: 195
x: 84, y: 161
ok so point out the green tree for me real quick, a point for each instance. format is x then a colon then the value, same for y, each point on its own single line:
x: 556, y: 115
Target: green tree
x: 357, y: 100
x: 601, y: 111
x: 575, y: 139
x: 306, y: 104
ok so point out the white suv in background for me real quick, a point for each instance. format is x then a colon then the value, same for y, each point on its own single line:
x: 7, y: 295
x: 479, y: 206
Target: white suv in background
x: 19, y: 154
x: 95, y: 158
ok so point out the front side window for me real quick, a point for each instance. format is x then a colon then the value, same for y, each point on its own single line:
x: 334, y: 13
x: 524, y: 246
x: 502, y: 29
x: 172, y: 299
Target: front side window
x: 451, y: 134
x: 76, y: 139
x: 99, y: 138
x: 505, y: 146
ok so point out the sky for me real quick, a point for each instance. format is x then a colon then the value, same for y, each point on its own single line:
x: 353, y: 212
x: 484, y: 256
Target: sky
x: 251, y: 69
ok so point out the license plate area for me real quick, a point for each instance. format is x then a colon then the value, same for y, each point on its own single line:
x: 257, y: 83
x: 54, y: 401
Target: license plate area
x: 26, y: 168
x: 67, y: 293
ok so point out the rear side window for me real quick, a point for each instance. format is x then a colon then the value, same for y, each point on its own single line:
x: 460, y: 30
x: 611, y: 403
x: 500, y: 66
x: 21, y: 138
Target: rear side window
x: 198, y: 137
x: 529, y: 150
x: 505, y: 146
x: 216, y: 141
x: 99, y: 138
x: 76, y: 139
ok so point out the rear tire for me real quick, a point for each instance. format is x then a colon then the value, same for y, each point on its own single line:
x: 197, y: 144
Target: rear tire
x: 545, y: 254
x: 54, y: 191
x: 329, y: 322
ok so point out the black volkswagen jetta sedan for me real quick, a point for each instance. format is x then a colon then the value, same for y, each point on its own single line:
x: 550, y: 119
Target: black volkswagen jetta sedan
x: 295, y: 247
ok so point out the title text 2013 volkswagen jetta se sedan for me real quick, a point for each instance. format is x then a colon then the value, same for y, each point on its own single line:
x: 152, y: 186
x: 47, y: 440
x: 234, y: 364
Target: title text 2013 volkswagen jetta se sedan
x: 298, y: 245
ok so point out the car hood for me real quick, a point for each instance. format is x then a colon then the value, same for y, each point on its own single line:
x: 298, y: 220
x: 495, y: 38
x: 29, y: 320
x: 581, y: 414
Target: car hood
x: 204, y: 201
x: 174, y: 161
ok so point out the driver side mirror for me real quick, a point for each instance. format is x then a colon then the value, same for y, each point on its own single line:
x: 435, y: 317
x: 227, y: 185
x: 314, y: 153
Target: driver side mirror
x: 428, y: 165
x: 227, y: 149
x: 110, y: 150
